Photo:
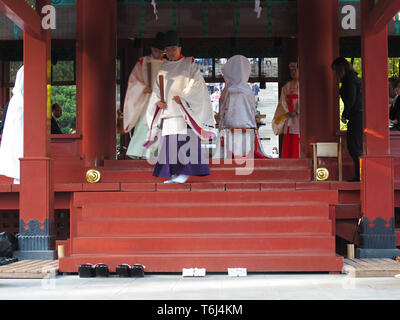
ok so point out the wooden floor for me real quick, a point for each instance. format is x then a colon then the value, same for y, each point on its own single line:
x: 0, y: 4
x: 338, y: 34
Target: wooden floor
x: 363, y: 268
x: 29, y: 269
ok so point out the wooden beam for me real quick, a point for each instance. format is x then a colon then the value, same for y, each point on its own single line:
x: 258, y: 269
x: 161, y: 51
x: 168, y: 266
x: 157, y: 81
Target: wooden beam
x: 25, y: 17
x: 382, y: 13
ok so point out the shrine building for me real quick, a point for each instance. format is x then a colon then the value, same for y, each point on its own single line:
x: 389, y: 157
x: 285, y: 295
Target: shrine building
x: 79, y: 190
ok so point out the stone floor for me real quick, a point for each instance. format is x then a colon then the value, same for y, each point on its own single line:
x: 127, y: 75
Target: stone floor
x: 210, y: 287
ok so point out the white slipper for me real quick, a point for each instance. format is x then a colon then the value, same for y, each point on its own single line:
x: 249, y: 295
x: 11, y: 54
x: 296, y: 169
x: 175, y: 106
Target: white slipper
x: 182, y: 178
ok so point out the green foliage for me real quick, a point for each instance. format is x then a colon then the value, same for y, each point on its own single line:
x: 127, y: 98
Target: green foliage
x: 14, y: 67
x: 65, y: 96
x: 343, y: 126
x: 63, y: 71
x: 394, y: 67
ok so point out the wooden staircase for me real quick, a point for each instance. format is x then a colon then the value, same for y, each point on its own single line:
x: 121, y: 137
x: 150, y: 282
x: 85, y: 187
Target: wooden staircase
x: 262, y: 224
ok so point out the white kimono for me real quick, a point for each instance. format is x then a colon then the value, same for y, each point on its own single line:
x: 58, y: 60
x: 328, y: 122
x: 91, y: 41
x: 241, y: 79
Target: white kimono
x: 135, y: 105
x: 12, y: 142
x: 237, y: 109
x: 181, y: 78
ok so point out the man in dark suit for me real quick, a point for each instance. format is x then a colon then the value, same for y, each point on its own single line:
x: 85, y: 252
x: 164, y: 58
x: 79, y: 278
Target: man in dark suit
x: 56, y: 112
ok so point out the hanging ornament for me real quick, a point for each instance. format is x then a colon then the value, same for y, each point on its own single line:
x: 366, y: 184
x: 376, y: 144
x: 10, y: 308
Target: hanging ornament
x: 153, y: 3
x: 257, y: 8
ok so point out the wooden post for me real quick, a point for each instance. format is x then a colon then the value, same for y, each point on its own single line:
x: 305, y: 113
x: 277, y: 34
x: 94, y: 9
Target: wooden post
x: 378, y: 237
x: 96, y: 86
x: 36, y: 239
x: 318, y: 46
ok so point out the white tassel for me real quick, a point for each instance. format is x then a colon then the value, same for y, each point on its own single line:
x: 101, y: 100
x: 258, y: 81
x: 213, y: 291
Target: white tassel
x: 153, y: 3
x: 257, y: 8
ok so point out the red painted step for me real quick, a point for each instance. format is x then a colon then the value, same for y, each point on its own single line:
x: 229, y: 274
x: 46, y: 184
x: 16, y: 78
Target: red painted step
x: 141, y: 171
x: 279, y: 261
x: 5, y: 180
x: 124, y: 227
x: 261, y: 174
x: 216, y: 163
x: 129, y: 171
x: 192, y: 198
x: 221, y: 170
x: 201, y: 243
x: 223, y: 210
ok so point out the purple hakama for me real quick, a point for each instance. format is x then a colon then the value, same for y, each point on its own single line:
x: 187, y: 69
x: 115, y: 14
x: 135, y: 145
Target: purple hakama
x: 180, y: 154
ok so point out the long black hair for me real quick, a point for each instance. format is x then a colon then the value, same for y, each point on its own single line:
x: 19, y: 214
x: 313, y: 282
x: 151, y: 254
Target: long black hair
x: 342, y: 67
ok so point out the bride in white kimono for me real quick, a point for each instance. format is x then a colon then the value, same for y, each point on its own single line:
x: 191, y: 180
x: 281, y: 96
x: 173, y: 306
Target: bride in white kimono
x: 237, y: 109
x: 12, y: 142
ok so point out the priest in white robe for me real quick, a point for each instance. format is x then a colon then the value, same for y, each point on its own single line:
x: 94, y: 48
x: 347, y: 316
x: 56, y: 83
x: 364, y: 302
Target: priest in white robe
x: 137, y: 98
x: 179, y: 116
x: 237, y: 110
x: 12, y: 142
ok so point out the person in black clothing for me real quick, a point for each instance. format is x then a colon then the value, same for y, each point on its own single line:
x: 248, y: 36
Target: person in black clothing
x: 56, y: 112
x: 351, y: 94
x: 394, y: 109
x: 393, y: 83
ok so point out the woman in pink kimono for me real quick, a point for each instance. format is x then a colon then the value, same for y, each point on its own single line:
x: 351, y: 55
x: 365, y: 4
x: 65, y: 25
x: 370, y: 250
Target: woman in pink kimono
x: 286, y: 120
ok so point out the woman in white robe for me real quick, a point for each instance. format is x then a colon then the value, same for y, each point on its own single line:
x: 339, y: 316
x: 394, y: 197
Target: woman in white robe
x: 137, y: 98
x: 237, y: 109
x: 12, y: 142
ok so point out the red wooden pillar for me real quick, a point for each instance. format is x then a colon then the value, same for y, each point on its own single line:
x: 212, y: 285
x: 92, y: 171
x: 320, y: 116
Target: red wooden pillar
x: 36, y: 240
x: 96, y: 78
x: 318, y: 46
x: 377, y: 187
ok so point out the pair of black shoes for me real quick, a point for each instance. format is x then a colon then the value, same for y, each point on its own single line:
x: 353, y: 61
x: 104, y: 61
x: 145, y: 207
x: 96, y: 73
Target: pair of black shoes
x: 89, y: 270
